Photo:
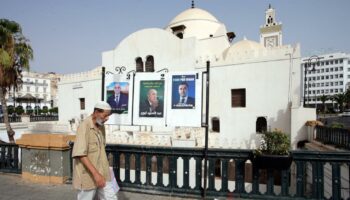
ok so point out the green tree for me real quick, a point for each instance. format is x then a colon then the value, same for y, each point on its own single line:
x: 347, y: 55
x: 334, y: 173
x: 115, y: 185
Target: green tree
x: 29, y: 111
x: 53, y: 110
x: 19, y: 110
x: 324, y: 98
x: 10, y: 109
x: 45, y: 110
x: 15, y: 54
x: 340, y: 99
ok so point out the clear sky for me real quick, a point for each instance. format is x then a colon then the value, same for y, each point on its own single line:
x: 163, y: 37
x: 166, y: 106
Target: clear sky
x: 69, y: 35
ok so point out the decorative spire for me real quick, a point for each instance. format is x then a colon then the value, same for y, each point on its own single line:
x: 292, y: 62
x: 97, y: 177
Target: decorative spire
x: 269, y: 6
x: 192, y: 6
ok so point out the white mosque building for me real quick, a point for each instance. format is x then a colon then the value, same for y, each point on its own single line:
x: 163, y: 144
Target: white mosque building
x: 254, y: 85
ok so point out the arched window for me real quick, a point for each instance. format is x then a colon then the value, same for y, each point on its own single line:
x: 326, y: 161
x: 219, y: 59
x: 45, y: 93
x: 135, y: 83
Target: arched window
x: 149, y: 64
x: 215, y: 121
x: 261, y: 125
x: 180, y: 35
x: 139, y: 65
x: 179, y: 31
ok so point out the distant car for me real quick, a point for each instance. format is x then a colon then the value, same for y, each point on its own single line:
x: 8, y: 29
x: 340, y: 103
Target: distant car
x: 346, y: 113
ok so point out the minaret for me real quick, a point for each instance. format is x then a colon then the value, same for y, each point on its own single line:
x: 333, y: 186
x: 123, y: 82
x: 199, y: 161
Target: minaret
x: 271, y: 31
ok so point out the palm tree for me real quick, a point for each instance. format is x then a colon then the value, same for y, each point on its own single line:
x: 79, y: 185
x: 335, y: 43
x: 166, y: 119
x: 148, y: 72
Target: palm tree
x: 340, y: 99
x: 324, y: 98
x: 15, y: 54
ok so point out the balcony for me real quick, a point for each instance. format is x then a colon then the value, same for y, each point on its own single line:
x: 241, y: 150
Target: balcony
x: 34, y: 84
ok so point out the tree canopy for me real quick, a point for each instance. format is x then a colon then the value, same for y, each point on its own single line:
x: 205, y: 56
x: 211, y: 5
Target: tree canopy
x: 15, y: 54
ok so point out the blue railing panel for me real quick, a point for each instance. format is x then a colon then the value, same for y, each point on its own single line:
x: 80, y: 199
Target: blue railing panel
x: 12, y: 119
x: 38, y: 118
x: 335, y: 136
x: 9, y: 158
x: 306, y: 178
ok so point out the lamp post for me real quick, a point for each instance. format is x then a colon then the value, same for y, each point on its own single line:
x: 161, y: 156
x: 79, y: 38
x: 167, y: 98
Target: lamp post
x: 315, y: 100
x: 313, y: 60
x: 36, y: 98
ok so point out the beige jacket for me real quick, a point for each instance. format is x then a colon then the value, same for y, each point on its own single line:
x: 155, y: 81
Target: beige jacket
x: 90, y: 141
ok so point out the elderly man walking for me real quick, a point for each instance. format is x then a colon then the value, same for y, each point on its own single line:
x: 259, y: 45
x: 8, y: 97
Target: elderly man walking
x: 91, y: 176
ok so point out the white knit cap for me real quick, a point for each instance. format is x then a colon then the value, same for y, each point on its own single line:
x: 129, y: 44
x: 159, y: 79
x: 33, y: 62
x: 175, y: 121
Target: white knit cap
x: 103, y: 105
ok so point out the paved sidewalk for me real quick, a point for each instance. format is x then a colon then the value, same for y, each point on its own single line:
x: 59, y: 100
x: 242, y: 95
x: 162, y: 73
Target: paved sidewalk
x: 13, y: 187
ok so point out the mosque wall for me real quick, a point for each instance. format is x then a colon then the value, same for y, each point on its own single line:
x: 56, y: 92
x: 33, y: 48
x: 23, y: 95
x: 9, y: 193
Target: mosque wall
x: 71, y: 93
x: 266, y: 86
x: 168, y: 51
x: 270, y: 78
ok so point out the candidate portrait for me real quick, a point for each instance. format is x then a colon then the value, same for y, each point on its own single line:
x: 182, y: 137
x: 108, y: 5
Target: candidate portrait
x: 183, y: 99
x: 151, y: 106
x: 119, y: 99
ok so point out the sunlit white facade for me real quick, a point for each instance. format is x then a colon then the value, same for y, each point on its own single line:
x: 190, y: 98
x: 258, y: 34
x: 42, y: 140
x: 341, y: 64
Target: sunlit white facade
x: 254, y: 86
x: 38, y: 90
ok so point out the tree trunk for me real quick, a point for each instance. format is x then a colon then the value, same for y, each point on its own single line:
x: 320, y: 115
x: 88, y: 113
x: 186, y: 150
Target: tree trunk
x: 10, y: 132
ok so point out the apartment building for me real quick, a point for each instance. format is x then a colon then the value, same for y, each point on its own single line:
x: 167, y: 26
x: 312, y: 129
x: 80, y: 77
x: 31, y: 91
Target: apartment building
x: 326, y: 74
x: 38, y: 90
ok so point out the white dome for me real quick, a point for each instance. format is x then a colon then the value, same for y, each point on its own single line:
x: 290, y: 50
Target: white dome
x: 197, y: 23
x: 193, y: 14
x: 243, y: 47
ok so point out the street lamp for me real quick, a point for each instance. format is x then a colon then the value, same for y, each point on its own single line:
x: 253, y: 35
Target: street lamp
x: 313, y: 60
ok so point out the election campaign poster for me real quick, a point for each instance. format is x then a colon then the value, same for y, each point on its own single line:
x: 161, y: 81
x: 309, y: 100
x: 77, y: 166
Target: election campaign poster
x: 119, y: 94
x: 183, y: 91
x: 151, y: 98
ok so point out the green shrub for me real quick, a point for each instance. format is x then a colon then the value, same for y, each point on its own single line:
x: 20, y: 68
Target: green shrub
x: 19, y: 110
x: 337, y: 125
x: 10, y: 110
x: 53, y: 110
x: 45, y: 110
x: 274, y: 143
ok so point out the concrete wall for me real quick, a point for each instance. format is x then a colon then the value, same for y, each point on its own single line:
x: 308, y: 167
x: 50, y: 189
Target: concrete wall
x: 299, y: 117
x: 46, y: 157
x: 270, y: 93
x: 168, y: 51
x: 86, y: 85
x: 43, y: 165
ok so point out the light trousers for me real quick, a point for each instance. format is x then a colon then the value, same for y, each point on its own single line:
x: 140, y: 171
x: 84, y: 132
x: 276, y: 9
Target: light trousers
x: 106, y: 193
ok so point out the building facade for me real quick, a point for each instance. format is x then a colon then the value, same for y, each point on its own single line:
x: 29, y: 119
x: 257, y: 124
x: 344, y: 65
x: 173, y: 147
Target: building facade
x: 326, y: 74
x: 38, y: 90
x: 77, y: 94
x: 254, y: 86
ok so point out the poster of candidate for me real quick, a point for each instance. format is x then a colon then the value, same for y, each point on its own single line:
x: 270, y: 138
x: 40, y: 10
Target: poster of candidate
x: 118, y: 96
x: 151, y: 98
x: 183, y: 92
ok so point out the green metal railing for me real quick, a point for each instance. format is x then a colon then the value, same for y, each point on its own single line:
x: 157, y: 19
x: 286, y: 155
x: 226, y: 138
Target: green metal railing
x: 334, y: 136
x: 37, y: 118
x: 12, y: 119
x: 9, y: 162
x: 231, y: 173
